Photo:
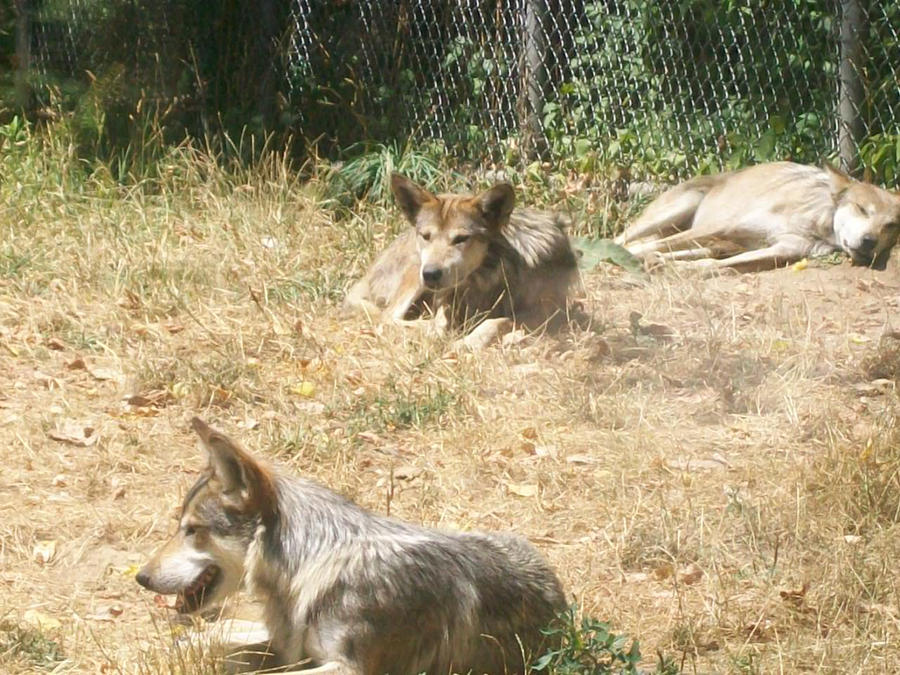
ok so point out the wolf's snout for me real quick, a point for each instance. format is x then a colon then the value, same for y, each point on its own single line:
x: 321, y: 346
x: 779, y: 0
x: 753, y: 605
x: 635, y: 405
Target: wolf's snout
x: 431, y: 275
x: 143, y: 579
x: 867, y: 243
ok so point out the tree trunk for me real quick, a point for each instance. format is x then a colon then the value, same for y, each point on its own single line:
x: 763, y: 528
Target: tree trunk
x: 535, y: 79
x: 852, y: 93
x: 23, y: 54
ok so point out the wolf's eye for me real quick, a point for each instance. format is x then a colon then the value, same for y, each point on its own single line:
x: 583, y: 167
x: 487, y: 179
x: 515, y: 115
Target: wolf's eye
x: 190, y: 530
x: 460, y: 239
x: 425, y: 235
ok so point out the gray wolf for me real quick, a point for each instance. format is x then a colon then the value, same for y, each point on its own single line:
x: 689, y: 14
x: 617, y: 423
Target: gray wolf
x: 767, y: 216
x: 473, y: 257
x: 346, y: 590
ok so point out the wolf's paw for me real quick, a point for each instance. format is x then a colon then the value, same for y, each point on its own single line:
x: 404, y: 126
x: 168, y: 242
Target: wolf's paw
x: 483, y: 335
x: 653, y: 260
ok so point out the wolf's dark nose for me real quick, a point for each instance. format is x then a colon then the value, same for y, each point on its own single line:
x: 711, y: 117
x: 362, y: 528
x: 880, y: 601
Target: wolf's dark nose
x: 867, y: 243
x: 431, y: 275
x: 143, y: 579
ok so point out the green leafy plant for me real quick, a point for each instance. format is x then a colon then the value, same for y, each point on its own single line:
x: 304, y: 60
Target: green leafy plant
x: 29, y: 644
x: 589, y: 647
x: 394, y: 407
x: 636, y: 94
x: 593, y: 251
x: 880, y: 156
x: 368, y: 173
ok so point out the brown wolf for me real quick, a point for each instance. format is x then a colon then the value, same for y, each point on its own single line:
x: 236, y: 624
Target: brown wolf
x: 766, y: 216
x: 347, y: 590
x: 473, y: 257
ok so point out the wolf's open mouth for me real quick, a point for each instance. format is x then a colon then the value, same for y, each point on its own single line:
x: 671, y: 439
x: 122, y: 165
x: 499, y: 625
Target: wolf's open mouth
x: 194, y: 596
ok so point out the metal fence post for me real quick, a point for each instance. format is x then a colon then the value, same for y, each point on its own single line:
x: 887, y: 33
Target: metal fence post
x: 267, y: 31
x: 852, y: 95
x: 23, y: 54
x: 534, y: 78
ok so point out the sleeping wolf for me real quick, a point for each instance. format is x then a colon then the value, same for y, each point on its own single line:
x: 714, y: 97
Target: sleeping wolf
x: 349, y: 591
x: 767, y: 216
x: 473, y: 257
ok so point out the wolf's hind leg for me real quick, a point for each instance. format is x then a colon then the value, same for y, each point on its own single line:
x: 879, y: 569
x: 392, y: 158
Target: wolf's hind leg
x: 671, y: 212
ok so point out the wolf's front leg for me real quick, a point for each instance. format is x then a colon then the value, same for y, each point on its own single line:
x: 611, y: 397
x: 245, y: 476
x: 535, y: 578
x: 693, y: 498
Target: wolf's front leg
x: 484, y: 334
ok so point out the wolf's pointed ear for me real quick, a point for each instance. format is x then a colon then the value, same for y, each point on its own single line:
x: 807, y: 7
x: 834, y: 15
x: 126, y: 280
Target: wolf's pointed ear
x: 245, y: 484
x: 409, y: 196
x: 496, y: 204
x: 839, y: 180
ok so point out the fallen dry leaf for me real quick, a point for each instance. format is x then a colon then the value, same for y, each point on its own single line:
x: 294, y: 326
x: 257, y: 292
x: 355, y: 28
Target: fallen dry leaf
x: 690, y: 574
x: 173, y: 327
x: 76, y: 364
x: 636, y: 577
x: 581, y: 459
x: 40, y: 620
x: 406, y: 472
x: 44, y: 551
x: 130, y: 300
x: 104, y: 372
x: 155, y: 398
x: 77, y: 433
x: 107, y: 613
x: 56, y: 344
x: 47, y: 380
x: 760, y: 631
x: 305, y: 388
x: 546, y: 451
x: 664, y: 571
x: 655, y: 330
x: 794, y: 595
x: 522, y: 489
x: 369, y: 437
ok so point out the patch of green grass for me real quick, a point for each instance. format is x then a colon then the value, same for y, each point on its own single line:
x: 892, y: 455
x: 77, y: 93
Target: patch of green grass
x: 212, y: 379
x: 589, y: 647
x: 368, y: 173
x: 22, y: 642
x: 13, y: 263
x: 396, y: 408
x: 318, y: 284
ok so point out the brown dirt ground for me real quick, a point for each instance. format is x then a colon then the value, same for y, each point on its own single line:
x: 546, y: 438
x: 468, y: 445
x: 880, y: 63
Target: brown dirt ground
x: 686, y: 471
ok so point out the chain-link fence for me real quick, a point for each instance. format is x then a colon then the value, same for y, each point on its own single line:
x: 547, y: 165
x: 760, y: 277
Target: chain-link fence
x: 657, y: 86
x: 670, y: 86
x: 198, y: 66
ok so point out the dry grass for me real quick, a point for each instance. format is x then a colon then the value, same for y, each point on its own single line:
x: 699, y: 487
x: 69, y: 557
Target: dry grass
x: 726, y: 491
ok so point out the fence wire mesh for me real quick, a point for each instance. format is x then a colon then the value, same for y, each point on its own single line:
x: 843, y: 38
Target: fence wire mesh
x: 655, y: 85
x: 670, y: 86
